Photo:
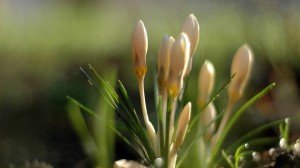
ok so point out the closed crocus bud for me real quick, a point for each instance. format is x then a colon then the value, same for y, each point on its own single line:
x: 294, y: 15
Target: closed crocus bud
x: 191, y: 28
x: 163, y: 61
x: 296, y: 149
x: 283, y: 143
x: 159, y: 162
x: 207, y: 116
x: 206, y: 82
x: 139, y: 49
x: 241, y: 67
x: 256, y: 156
x: 182, y: 125
x: 178, y: 63
x: 272, y: 152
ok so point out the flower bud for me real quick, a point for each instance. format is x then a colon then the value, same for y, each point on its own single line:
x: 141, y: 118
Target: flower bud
x: 241, y: 67
x: 287, y: 121
x: 159, y: 162
x: 139, y: 49
x: 256, y: 156
x: 191, y: 28
x: 182, y: 125
x: 283, y: 143
x: 163, y: 61
x: 178, y: 64
x: 208, y: 115
x: 272, y: 152
x: 206, y: 82
x: 296, y: 149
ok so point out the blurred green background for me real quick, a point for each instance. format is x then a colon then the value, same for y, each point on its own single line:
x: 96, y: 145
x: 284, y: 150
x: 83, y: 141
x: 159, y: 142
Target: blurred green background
x: 44, y: 42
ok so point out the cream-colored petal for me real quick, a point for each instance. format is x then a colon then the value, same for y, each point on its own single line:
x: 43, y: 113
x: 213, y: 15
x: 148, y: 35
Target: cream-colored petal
x: 206, y: 81
x: 163, y: 61
x: 127, y: 164
x: 139, y: 48
x: 178, y: 63
x: 241, y: 66
x: 182, y: 125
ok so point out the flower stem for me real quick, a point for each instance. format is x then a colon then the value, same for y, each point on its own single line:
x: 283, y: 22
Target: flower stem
x: 223, y: 123
x: 164, y: 112
x: 172, y: 118
x: 149, y: 126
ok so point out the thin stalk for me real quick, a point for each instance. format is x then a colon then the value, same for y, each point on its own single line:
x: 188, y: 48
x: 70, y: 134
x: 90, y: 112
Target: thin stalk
x: 160, y: 136
x: 172, y: 118
x: 164, y: 112
x: 229, y: 162
x: 232, y: 121
x: 223, y: 123
x: 286, y: 132
x: 167, y: 145
x: 143, y: 100
x: 145, y: 113
x: 159, y: 139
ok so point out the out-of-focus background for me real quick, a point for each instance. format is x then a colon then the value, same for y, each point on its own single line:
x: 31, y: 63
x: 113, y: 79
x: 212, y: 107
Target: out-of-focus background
x: 44, y: 42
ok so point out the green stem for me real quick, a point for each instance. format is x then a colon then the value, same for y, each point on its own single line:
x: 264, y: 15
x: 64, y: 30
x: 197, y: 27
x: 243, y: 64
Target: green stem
x: 167, y: 145
x: 232, y: 121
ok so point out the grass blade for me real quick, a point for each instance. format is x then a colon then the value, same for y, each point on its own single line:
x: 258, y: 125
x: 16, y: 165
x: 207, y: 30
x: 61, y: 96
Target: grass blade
x: 233, y: 120
x: 80, y: 127
x: 253, y: 133
x: 112, y: 128
x: 197, y: 116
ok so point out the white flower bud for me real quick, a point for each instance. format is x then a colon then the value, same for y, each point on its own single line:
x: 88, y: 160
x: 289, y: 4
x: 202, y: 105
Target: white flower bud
x: 206, y: 81
x: 287, y: 121
x: 159, y: 162
x: 178, y: 64
x: 163, y: 61
x: 296, y: 149
x: 191, y: 28
x: 182, y: 125
x: 272, y: 152
x: 241, y: 67
x: 256, y: 156
x: 139, y: 49
x: 283, y: 143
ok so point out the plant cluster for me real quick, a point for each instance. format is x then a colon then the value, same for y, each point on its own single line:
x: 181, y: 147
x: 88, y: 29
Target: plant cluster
x: 163, y: 145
